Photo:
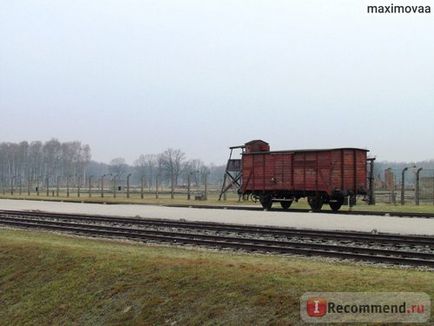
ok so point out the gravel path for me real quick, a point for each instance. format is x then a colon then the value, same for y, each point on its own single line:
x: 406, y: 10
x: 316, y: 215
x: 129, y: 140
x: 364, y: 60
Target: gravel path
x: 287, y: 219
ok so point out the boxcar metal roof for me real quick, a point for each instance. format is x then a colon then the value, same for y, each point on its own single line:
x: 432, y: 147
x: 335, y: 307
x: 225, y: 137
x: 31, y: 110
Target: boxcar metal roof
x: 257, y: 141
x: 308, y: 150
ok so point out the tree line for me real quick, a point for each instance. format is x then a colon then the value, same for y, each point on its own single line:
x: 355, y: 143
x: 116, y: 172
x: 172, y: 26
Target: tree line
x: 32, y: 161
x: 35, y: 161
x: 170, y: 168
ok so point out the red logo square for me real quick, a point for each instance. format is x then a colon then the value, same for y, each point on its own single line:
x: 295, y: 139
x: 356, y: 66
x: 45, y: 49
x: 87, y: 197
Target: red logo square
x: 316, y: 307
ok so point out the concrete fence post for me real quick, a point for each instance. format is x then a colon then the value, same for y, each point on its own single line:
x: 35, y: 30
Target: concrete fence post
x: 102, y: 184
x: 57, y: 185
x: 12, y: 184
x: 433, y: 189
x: 403, y: 185
x: 78, y: 186
x: 188, y: 186
x: 172, y: 185
x: 417, y: 190
x: 67, y: 185
x: 156, y: 186
x: 206, y: 186
x: 38, y: 181
x: 128, y: 185
x: 90, y: 185
x: 114, y: 186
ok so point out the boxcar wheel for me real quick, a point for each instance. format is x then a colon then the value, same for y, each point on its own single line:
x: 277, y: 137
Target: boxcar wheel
x: 335, y: 206
x: 285, y: 204
x: 315, y: 203
x: 266, y: 202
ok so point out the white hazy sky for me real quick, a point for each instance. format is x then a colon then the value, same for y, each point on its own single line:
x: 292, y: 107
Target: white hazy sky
x: 132, y: 77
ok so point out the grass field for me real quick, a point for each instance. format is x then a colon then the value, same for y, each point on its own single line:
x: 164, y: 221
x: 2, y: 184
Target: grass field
x: 50, y: 279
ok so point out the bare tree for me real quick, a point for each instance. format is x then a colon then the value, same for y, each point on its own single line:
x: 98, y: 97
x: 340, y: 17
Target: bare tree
x: 193, y: 168
x: 118, y: 166
x: 172, y: 160
x: 146, y: 166
x: 84, y: 159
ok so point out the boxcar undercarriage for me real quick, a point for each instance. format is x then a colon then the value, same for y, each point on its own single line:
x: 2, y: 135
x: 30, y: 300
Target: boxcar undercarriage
x: 316, y: 200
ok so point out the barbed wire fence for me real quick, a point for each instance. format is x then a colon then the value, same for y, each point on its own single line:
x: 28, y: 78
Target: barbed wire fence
x: 104, y: 186
x: 410, y: 185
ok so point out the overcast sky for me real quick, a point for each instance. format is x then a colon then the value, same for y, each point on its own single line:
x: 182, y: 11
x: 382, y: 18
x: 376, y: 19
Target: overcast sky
x: 132, y: 77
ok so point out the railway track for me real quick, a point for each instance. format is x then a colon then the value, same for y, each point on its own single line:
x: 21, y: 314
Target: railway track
x: 247, y: 229
x: 379, y: 248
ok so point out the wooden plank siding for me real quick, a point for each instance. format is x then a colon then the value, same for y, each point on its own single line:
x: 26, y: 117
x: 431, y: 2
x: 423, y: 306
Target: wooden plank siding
x: 322, y: 170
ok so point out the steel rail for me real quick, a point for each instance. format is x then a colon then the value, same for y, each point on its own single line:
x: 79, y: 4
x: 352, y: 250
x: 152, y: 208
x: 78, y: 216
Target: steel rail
x: 336, y: 251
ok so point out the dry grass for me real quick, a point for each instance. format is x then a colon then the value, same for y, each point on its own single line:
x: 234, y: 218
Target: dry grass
x: 52, y: 279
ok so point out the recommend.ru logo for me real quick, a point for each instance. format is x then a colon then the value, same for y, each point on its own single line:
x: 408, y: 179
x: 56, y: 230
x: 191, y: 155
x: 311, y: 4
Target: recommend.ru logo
x: 374, y: 307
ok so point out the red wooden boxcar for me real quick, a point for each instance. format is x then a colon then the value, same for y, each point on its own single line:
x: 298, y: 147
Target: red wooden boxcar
x: 321, y: 175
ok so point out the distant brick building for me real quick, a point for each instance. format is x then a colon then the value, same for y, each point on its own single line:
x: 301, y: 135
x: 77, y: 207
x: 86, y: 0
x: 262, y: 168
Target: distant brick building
x: 378, y: 182
x: 389, y: 179
x: 426, y: 182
